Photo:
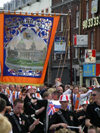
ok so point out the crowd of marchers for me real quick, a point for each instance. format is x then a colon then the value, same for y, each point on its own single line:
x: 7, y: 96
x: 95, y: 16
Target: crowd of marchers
x: 50, y: 109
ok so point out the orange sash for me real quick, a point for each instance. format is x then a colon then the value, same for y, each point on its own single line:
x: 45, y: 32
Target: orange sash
x: 13, y: 96
x: 38, y: 95
x: 8, y: 92
x: 77, y: 102
x: 20, y: 95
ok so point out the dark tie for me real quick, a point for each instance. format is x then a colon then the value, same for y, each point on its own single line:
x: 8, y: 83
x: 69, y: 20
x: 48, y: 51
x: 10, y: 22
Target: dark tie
x: 74, y: 99
x: 17, y: 95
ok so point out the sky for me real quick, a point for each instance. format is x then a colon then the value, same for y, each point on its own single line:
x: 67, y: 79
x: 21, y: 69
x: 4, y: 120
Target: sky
x: 3, y: 2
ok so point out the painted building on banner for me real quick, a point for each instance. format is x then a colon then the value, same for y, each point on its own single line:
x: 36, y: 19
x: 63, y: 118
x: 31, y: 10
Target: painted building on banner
x: 90, y: 21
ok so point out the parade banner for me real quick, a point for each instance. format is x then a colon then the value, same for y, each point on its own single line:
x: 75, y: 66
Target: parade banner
x: 25, y: 46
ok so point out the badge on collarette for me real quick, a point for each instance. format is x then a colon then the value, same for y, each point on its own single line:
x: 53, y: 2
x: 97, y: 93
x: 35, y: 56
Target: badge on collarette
x: 71, y: 118
x: 23, y: 122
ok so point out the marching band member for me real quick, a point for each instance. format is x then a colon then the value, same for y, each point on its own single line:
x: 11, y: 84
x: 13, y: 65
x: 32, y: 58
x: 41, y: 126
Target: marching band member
x: 11, y: 93
x: 19, y: 121
x: 63, y: 118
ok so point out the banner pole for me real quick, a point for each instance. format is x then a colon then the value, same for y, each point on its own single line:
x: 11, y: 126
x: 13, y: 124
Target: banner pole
x: 34, y: 13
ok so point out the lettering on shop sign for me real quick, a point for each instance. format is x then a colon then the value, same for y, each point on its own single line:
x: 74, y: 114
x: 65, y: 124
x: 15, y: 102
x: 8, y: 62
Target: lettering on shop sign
x: 95, y: 21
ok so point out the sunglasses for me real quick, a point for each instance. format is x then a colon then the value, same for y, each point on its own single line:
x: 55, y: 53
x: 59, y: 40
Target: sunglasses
x: 93, y: 95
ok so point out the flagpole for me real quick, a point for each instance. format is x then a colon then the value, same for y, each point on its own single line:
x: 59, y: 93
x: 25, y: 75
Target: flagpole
x: 34, y: 13
x: 47, y: 119
x: 71, y: 74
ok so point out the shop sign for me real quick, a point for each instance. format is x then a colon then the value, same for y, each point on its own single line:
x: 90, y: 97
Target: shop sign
x: 59, y: 44
x: 89, y: 70
x: 94, y: 6
x: 80, y: 40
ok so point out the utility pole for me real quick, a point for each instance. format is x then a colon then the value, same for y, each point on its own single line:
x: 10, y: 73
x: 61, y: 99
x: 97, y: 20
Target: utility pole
x: 71, y: 73
x: 80, y: 63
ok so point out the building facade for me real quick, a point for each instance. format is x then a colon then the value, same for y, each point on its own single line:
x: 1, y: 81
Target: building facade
x: 90, y: 21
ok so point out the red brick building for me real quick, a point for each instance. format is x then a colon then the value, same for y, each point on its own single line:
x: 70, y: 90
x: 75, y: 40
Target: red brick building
x: 90, y: 21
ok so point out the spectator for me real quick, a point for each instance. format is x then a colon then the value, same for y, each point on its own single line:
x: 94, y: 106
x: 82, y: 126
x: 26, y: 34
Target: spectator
x: 29, y: 102
x: 42, y: 89
x: 35, y: 94
x: 18, y: 91
x: 67, y: 89
x: 55, y: 95
x: 93, y: 96
x: 33, y: 106
x: 51, y: 90
x: 8, y: 105
x: 47, y: 95
x: 96, y: 82
x: 11, y: 93
x: 23, y: 93
x: 77, y: 97
x: 57, y: 82
x: 93, y: 111
x: 2, y: 106
x: 83, y: 90
x: 1, y: 89
x: 60, y: 89
x: 92, y: 129
x: 81, y: 115
x: 5, y: 125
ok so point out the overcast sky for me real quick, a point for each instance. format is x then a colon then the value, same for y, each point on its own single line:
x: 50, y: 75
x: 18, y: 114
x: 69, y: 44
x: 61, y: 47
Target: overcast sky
x: 3, y: 2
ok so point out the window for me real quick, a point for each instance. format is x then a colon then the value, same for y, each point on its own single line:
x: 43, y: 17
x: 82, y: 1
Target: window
x: 57, y: 56
x: 87, y: 9
x: 63, y: 0
x: 11, y: 6
x: 62, y: 23
x: 68, y: 52
x: 77, y: 18
x: 92, y: 40
x: 76, y: 53
x: 23, y: 1
x: 47, y: 10
x: 8, y: 6
x: 42, y: 11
